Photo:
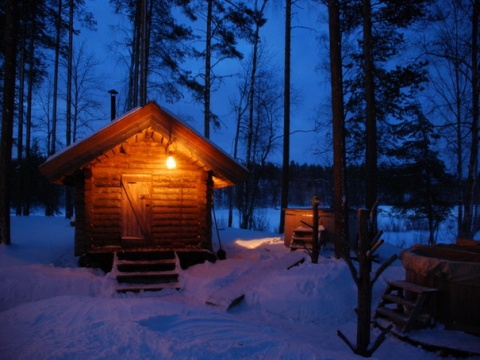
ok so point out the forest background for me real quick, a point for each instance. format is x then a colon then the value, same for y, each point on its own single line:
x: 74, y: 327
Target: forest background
x: 407, y: 110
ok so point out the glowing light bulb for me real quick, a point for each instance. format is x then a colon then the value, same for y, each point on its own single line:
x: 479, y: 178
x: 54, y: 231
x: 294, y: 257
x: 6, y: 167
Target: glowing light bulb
x: 171, y: 163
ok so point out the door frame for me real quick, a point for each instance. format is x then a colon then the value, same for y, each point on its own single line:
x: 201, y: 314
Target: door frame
x: 140, y: 208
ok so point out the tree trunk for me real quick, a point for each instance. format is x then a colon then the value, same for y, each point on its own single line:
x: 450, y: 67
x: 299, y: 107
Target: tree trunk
x: 286, y: 116
x: 133, y: 88
x: 251, y: 100
x: 20, y: 183
x: 467, y: 225
x: 208, y: 55
x: 371, y: 122
x: 246, y: 216
x: 369, y: 243
x: 68, y: 135
x: 364, y: 301
x: 51, y: 204
x: 143, y: 52
x: 8, y: 110
x: 339, y: 157
x: 28, y: 120
x: 58, y: 28
x: 240, y: 113
x: 459, y: 154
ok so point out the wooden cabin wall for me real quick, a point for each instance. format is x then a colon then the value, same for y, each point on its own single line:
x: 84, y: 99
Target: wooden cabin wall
x: 179, y: 209
x: 103, y: 209
x: 81, y: 243
x: 180, y: 198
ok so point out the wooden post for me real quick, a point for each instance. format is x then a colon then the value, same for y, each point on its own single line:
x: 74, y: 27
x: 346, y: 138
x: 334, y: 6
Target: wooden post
x: 368, y: 243
x: 364, y: 301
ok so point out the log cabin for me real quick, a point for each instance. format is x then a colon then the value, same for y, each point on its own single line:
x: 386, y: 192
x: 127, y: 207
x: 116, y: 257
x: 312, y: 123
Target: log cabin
x: 127, y: 198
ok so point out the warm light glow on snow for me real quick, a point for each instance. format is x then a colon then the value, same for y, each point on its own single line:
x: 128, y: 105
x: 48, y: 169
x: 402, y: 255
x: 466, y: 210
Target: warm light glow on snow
x: 253, y: 244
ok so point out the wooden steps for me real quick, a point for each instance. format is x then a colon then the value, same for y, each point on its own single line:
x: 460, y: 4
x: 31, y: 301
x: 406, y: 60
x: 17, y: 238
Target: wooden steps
x: 138, y: 271
x: 302, y: 237
x: 407, y: 305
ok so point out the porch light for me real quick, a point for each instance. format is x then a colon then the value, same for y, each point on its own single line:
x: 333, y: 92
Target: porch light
x: 171, y: 163
x: 170, y: 152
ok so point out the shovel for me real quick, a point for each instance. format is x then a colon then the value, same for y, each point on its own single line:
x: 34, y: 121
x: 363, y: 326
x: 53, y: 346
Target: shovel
x: 221, y: 254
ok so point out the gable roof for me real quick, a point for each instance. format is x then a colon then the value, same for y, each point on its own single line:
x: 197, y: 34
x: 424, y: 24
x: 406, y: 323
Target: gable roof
x: 226, y: 170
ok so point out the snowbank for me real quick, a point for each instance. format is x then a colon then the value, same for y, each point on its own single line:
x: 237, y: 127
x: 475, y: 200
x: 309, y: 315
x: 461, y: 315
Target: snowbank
x: 51, y: 309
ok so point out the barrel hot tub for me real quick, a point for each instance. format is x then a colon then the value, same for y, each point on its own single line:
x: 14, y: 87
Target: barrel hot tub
x: 455, y: 271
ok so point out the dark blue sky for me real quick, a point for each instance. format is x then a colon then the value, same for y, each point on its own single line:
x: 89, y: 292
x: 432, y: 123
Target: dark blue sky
x: 310, y: 85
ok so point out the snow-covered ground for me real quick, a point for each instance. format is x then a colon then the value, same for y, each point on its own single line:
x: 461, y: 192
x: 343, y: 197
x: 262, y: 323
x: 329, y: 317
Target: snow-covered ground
x: 52, y: 309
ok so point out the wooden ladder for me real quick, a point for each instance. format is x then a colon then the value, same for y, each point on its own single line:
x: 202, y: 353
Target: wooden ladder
x: 407, y: 305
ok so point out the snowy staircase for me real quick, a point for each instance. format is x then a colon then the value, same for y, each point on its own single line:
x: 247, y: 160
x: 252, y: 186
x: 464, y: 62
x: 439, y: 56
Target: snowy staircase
x: 302, y: 237
x: 138, y: 271
x: 407, y: 305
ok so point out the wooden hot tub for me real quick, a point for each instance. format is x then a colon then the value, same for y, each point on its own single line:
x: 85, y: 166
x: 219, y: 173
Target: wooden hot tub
x: 455, y: 270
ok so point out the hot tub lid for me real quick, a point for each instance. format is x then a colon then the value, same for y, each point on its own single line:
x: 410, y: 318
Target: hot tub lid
x: 450, y: 263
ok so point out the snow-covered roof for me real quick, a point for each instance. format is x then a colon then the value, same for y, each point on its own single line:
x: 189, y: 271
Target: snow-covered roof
x: 226, y: 170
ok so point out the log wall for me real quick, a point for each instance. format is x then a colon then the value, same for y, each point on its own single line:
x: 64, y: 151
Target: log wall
x: 80, y: 220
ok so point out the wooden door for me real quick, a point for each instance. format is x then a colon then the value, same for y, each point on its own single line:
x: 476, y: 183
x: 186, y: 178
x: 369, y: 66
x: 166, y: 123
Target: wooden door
x: 136, y: 209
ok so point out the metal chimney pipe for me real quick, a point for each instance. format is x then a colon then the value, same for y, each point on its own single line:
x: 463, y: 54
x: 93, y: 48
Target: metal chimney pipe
x: 113, y: 106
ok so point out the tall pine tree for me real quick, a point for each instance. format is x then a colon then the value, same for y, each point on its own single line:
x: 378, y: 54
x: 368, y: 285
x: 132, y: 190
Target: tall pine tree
x: 382, y: 82
x: 158, y: 47
x: 420, y: 173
